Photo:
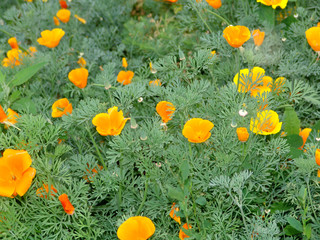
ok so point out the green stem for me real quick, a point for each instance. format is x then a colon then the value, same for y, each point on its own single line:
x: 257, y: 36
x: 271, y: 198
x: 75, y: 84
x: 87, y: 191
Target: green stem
x: 120, y: 186
x: 310, y: 199
x: 200, y: 15
x: 144, y: 198
x: 218, y: 16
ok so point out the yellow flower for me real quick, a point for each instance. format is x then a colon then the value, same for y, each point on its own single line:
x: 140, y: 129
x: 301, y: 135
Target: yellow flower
x: 13, y: 43
x: 249, y: 79
x: 82, y: 62
x: 197, y: 130
x: 274, y: 3
x: 155, y: 83
x: 124, y: 63
x: 313, y: 38
x: 266, y: 123
x: 64, y: 15
x: 14, y: 58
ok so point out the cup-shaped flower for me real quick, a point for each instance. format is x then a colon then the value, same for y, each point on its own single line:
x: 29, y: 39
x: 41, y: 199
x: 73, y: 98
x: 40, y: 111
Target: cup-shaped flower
x: 79, y: 77
x: 258, y: 37
x: 14, y: 58
x: 136, y: 228
x: 63, y: 4
x: 183, y: 235
x: 173, y: 212
x: 64, y: 15
x: 248, y: 79
x: 165, y: 110
x: 13, y: 43
x: 61, y: 107
x: 52, y: 38
x: 318, y: 156
x: 110, y: 123
x: 243, y: 134
x: 124, y: 63
x: 197, y: 130
x: 66, y: 204
x: 313, y: 38
x: 44, y: 190
x: 125, y: 77
x: 236, y: 36
x: 274, y: 3
x: 156, y: 82
x: 16, y: 175
x: 266, y: 123
x: 214, y: 3
x: 304, y: 134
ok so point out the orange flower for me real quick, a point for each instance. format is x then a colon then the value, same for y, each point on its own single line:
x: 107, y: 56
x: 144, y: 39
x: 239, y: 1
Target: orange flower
x: 318, y: 156
x: 13, y: 43
x: 165, y: 110
x: 56, y: 21
x: 214, y: 3
x: 182, y: 235
x: 197, y: 130
x: 82, y: 62
x: 3, y: 115
x: 79, y: 77
x: 236, y: 36
x: 313, y: 38
x: 155, y: 83
x: 61, y: 107
x: 125, y: 77
x: 274, y: 3
x: 83, y: 21
x: 43, y: 191
x: 266, y: 123
x: 249, y: 79
x: 64, y: 15
x: 32, y: 50
x: 243, y: 134
x: 51, y: 38
x: 16, y: 175
x: 304, y: 134
x: 124, y: 63
x: 66, y: 204
x: 277, y: 84
x: 173, y: 1
x: 14, y: 58
x: 12, y: 118
x: 173, y: 213
x: 258, y: 37
x: 63, y: 4
x: 318, y: 173
x: 110, y: 123
x: 136, y: 228
x: 92, y: 173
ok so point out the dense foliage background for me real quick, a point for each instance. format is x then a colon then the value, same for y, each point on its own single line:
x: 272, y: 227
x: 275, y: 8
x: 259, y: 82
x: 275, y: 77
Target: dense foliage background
x: 263, y: 189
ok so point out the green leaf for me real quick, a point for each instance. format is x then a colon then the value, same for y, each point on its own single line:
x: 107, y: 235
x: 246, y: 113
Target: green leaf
x: 25, y: 105
x: 290, y: 231
x: 294, y: 140
x: 295, y: 224
x: 291, y: 121
x: 175, y: 193
x: 280, y: 206
x: 308, y: 231
x: 266, y: 14
x: 14, y: 96
x: 25, y: 74
x: 184, y: 168
x: 201, y: 201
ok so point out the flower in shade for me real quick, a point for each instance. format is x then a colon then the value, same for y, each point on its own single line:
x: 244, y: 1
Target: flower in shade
x: 91, y: 172
x: 14, y: 58
x: 44, y: 191
x: 64, y: 15
x: 136, y: 228
x: 258, y: 37
x: 173, y: 212
x: 155, y: 83
x: 249, y: 78
x: 56, y: 21
x: 274, y: 3
x: 304, y: 134
x: 278, y: 84
x: 63, y: 4
x: 110, y: 123
x: 61, y: 107
x: 16, y: 175
x: 266, y: 123
x: 236, y: 36
x: 82, y: 62
x: 214, y: 3
x: 313, y: 38
x: 125, y: 77
x: 197, y: 130
x: 165, y: 110
x: 243, y: 134
x: 51, y: 38
x: 13, y: 43
x: 79, y: 77
x: 66, y: 204
x: 182, y: 235
x: 124, y: 63
x: 83, y: 21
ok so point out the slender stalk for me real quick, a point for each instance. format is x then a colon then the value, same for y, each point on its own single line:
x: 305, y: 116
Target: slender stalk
x: 241, y: 210
x: 200, y: 15
x: 218, y: 16
x: 144, y: 197
x: 310, y: 199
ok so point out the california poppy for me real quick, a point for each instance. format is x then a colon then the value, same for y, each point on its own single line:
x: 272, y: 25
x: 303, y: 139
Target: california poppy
x: 214, y: 3
x: 110, y: 123
x: 63, y: 4
x: 258, y: 37
x: 44, y: 190
x: 156, y: 82
x: 66, y: 204
x: 236, y: 36
x: 304, y: 134
x: 173, y: 1
x: 136, y: 228
x: 249, y: 78
x: 56, y: 21
x: 278, y: 84
x: 182, y: 235
x: 318, y: 156
x: 64, y: 15
x: 12, y: 117
x: 274, y: 3
x: 165, y: 110
x: 124, y: 63
x: 83, y: 21
x: 173, y: 213
x: 16, y: 175
x: 3, y: 115
x: 61, y: 107
x: 197, y: 130
x: 243, y: 134
x: 13, y: 43
x: 32, y: 50
x: 266, y: 123
x: 79, y: 77
x: 125, y: 77
x: 82, y: 62
x: 313, y: 38
x: 14, y: 58
x: 51, y: 38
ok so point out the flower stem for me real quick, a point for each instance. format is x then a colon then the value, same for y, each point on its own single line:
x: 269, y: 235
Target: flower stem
x: 200, y: 15
x: 144, y: 197
x: 218, y: 16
